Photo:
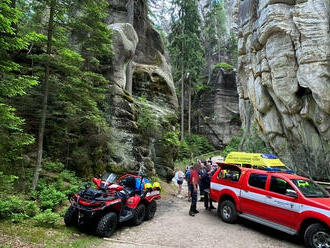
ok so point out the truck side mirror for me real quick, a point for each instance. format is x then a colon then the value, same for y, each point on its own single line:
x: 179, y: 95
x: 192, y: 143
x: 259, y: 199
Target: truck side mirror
x: 291, y: 193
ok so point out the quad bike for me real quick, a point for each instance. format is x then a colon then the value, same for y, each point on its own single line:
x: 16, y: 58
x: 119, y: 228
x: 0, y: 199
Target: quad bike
x: 112, y: 203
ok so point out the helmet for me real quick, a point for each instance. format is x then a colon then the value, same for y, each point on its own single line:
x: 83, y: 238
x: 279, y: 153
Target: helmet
x: 156, y: 185
x: 148, y: 186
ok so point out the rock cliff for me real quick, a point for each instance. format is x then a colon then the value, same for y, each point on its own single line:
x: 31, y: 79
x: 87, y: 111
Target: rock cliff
x: 219, y: 109
x: 142, y: 46
x: 284, y: 78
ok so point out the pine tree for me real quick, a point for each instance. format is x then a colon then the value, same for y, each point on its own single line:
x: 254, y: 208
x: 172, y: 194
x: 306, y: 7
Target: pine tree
x: 12, y: 83
x: 215, y: 30
x: 69, y: 64
x: 186, y: 50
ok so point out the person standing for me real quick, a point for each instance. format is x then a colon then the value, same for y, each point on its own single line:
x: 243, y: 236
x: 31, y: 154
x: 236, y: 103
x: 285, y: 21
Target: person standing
x: 194, y: 180
x: 202, y: 174
x: 187, y: 176
x: 206, y: 183
x: 179, y: 176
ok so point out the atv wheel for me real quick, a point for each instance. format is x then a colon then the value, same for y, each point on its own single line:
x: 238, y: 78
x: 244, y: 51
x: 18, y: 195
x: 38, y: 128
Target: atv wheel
x: 151, y: 210
x: 317, y: 236
x: 139, y: 215
x: 71, y: 217
x: 107, y: 225
x: 228, y: 211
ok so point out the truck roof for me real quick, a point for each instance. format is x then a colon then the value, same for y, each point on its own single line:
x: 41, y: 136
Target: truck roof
x: 275, y: 173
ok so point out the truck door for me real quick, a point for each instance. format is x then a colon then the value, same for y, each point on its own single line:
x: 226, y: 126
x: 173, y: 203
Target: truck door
x: 253, y: 195
x: 282, y: 202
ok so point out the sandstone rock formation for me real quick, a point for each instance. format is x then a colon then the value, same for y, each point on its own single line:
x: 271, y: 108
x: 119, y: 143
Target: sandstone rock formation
x: 219, y: 109
x: 152, y: 80
x: 284, y: 78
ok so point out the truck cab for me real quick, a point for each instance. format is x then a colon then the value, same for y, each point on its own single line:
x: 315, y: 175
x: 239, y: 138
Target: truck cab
x: 281, y: 200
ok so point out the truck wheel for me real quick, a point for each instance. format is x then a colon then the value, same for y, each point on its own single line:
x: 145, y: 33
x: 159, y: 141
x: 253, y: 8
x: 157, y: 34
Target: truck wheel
x: 228, y: 211
x: 317, y: 236
x: 71, y: 216
x: 139, y: 215
x: 151, y: 210
x: 107, y: 225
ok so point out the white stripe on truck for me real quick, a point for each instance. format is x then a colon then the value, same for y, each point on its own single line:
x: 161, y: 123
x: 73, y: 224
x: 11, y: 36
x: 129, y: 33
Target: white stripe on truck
x: 273, y: 201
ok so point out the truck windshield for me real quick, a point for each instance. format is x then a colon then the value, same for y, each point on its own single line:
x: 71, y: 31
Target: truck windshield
x: 310, y: 189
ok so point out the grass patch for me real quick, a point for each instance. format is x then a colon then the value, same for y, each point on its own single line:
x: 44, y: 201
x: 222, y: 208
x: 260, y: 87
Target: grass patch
x: 61, y: 236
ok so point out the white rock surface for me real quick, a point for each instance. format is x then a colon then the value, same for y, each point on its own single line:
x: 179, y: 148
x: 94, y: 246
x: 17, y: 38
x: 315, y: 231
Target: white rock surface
x: 284, y: 78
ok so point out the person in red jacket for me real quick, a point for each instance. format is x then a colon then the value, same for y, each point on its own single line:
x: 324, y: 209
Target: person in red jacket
x: 194, y: 180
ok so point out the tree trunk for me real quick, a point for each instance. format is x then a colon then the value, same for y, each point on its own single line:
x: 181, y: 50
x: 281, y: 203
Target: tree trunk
x: 45, y: 99
x: 182, y: 103
x: 129, y: 72
x: 189, y: 107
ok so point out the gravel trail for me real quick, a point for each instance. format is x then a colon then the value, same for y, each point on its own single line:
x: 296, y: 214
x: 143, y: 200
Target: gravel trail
x: 173, y: 227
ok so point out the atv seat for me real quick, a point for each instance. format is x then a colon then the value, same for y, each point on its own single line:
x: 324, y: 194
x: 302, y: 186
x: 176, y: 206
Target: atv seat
x: 129, y: 185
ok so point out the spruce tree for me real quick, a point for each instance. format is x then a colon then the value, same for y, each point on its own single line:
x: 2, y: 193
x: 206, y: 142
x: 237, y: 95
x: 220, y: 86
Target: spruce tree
x: 186, y: 50
x: 69, y: 64
x: 12, y: 83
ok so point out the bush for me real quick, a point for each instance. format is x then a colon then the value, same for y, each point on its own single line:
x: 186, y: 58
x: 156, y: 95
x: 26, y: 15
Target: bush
x: 47, y: 219
x: 196, y: 145
x: 252, y: 143
x: 171, y: 139
x: 10, y: 206
x: 31, y: 208
x: 232, y: 146
x: 6, y: 183
x: 50, y: 197
x: 17, y: 209
x: 224, y: 66
x: 147, y: 120
x: 16, y: 218
x: 53, y: 166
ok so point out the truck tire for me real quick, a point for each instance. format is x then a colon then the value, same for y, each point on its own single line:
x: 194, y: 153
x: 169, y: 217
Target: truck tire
x: 151, y: 210
x: 71, y: 216
x: 139, y: 215
x: 228, y: 211
x: 317, y: 235
x: 107, y: 225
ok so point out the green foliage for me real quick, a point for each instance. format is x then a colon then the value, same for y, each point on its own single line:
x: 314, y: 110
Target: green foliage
x: 50, y: 197
x: 224, y: 66
x: 12, y: 83
x: 31, y: 208
x: 202, y: 88
x: 17, y: 209
x: 233, y: 146
x: 215, y: 29
x: 47, y: 219
x: 76, y: 133
x: 185, y: 43
x: 194, y: 145
x: 6, y: 183
x: 53, y: 166
x: 147, y: 120
x: 253, y: 143
x: 171, y: 139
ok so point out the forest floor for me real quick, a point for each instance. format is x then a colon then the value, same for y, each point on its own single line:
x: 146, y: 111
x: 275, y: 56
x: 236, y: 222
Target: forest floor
x: 173, y: 227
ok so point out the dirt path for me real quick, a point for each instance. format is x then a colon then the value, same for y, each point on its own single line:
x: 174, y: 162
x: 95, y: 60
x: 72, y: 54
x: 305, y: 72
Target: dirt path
x: 173, y: 227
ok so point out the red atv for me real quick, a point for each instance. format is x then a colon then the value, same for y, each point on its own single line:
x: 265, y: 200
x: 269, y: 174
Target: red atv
x: 112, y: 203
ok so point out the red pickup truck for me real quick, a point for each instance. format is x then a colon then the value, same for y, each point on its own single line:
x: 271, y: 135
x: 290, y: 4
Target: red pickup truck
x: 283, y: 201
